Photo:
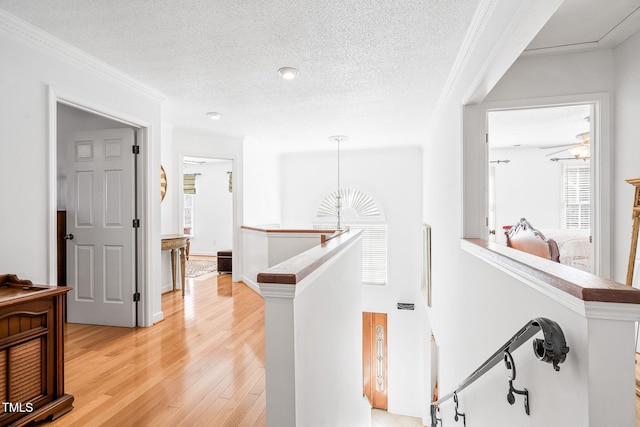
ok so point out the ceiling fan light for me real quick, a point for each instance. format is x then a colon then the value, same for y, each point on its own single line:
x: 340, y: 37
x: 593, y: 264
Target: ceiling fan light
x: 580, y: 151
x: 584, y: 137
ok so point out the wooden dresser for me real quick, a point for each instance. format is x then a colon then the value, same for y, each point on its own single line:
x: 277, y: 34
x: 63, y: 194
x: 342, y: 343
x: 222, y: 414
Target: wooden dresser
x: 31, y: 352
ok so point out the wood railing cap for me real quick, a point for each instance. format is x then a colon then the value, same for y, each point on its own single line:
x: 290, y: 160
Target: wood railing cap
x: 288, y: 230
x: 293, y: 270
x: 580, y: 284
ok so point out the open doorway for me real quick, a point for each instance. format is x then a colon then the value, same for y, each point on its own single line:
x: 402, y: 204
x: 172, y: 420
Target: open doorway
x: 97, y: 242
x: 540, y: 169
x: 207, y: 210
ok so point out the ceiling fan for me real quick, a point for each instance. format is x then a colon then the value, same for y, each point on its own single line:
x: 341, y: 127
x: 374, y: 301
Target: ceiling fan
x: 581, y: 150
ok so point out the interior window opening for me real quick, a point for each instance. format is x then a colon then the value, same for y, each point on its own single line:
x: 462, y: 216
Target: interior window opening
x: 540, y: 170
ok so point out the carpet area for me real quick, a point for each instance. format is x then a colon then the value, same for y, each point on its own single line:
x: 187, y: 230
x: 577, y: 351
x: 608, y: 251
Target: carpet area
x: 197, y: 268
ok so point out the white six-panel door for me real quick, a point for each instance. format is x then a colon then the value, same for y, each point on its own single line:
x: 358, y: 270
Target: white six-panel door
x: 100, y: 213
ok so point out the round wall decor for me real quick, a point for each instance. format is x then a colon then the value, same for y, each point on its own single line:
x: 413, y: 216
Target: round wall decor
x: 163, y: 183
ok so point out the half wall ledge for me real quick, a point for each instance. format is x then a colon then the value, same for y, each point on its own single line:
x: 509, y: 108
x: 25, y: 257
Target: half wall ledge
x: 293, y: 270
x: 587, y: 294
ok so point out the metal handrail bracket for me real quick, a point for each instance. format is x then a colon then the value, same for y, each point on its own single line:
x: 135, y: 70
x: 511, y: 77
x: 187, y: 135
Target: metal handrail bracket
x: 551, y: 349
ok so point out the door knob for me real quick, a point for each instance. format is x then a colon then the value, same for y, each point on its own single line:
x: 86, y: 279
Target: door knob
x: 68, y: 237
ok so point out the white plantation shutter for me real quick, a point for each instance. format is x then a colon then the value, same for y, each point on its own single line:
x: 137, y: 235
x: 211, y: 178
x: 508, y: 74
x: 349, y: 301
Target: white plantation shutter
x: 364, y: 215
x: 374, y: 253
x: 576, y: 197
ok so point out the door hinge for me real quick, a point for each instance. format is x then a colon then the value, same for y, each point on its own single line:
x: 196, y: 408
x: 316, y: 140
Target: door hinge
x: 136, y: 223
x: 136, y: 297
x: 486, y: 138
x: 135, y: 149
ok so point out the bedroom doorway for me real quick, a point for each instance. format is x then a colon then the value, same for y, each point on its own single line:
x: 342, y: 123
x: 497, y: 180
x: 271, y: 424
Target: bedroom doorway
x: 540, y: 168
x: 206, y: 204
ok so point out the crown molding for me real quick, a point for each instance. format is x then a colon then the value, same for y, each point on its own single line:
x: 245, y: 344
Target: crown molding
x: 18, y: 28
x: 508, y: 25
x: 478, y: 24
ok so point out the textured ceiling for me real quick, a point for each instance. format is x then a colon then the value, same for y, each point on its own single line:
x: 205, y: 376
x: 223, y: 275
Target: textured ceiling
x: 538, y: 127
x: 370, y: 69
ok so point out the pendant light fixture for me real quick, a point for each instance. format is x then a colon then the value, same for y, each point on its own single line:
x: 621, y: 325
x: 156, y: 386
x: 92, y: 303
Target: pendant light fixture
x: 338, y: 139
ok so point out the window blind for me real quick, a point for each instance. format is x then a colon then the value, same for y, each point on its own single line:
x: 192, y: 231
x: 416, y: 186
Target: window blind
x: 189, y: 183
x: 363, y: 214
x: 576, y: 197
x: 374, y: 253
x: 374, y: 250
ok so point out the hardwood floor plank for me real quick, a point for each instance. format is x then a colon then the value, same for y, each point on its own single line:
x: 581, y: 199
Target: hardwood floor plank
x: 253, y: 414
x: 202, y: 365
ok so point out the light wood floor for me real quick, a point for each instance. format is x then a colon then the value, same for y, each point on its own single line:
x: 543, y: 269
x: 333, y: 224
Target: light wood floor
x: 201, y: 366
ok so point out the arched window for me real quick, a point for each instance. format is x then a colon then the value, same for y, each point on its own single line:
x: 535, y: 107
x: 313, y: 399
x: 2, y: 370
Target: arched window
x: 360, y: 211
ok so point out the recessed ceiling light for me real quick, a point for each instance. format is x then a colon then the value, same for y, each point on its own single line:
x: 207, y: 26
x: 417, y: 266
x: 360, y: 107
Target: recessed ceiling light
x: 288, y: 73
x: 214, y: 116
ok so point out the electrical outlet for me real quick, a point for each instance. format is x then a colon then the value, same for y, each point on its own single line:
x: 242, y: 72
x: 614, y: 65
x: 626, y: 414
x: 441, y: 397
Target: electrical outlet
x: 215, y: 243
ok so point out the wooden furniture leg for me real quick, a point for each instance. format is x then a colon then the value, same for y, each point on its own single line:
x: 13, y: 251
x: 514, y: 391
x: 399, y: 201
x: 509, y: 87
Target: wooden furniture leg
x: 173, y: 242
x: 173, y: 268
x: 182, y: 268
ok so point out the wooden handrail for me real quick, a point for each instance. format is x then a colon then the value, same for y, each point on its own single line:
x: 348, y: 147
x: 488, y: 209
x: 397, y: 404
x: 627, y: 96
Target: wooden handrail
x: 288, y: 230
x: 552, y: 349
x: 293, y: 270
x: 324, y: 238
x: 562, y: 278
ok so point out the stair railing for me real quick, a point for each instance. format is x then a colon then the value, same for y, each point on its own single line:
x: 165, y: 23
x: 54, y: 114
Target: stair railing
x: 551, y: 349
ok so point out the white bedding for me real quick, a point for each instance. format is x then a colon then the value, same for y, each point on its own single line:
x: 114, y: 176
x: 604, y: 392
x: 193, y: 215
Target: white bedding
x: 574, y: 247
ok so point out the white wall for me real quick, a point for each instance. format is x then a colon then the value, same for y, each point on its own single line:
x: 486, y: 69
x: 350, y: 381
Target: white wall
x: 392, y: 178
x: 328, y: 349
x: 213, y: 213
x: 33, y: 63
x: 553, y: 75
x: 476, y: 307
x: 528, y: 186
x: 168, y: 211
x: 261, y: 184
x: 627, y: 149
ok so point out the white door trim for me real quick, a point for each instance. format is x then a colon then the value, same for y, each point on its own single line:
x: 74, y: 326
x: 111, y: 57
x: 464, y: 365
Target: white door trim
x: 144, y: 130
x: 237, y: 221
x: 475, y: 174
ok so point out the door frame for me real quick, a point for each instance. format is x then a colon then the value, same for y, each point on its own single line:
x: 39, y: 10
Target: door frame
x: 475, y: 174
x: 236, y: 195
x: 142, y: 133
x: 180, y: 202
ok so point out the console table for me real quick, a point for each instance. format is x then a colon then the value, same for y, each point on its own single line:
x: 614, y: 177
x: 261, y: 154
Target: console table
x: 173, y: 242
